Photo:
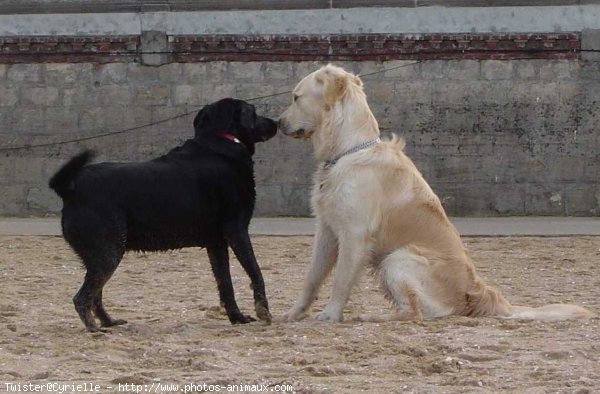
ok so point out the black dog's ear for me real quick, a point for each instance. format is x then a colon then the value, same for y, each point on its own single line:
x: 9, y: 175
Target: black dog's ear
x: 247, y: 116
x: 200, y: 119
x: 218, y: 116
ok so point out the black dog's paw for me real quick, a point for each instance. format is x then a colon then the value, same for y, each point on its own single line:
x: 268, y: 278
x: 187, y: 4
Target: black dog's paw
x: 262, y: 311
x: 114, y: 322
x: 241, y: 319
x: 96, y: 329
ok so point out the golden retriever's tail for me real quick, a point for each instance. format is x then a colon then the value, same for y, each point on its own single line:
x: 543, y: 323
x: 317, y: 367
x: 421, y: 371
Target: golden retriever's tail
x: 550, y: 312
x: 487, y: 301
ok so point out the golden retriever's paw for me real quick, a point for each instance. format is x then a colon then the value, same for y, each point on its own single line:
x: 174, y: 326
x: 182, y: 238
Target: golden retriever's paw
x: 294, y: 315
x: 329, y: 316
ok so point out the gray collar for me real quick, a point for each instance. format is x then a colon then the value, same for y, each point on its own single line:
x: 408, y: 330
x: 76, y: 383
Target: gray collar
x: 330, y: 163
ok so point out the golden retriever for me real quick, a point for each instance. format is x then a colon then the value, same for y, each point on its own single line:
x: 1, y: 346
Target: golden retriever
x: 374, y: 207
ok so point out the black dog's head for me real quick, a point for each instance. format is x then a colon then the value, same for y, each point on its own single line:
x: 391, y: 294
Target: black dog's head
x: 236, y: 118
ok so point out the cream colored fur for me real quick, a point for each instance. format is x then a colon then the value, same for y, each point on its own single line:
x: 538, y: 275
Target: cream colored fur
x: 374, y: 208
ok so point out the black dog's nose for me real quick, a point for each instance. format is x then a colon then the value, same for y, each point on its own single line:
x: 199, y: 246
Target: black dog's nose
x: 274, y: 126
x: 267, y: 127
x: 273, y: 123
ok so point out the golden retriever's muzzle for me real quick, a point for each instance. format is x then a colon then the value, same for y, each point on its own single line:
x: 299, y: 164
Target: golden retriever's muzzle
x: 286, y: 130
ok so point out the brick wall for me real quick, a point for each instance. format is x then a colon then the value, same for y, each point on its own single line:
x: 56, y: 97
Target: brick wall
x: 493, y: 137
x: 244, y: 48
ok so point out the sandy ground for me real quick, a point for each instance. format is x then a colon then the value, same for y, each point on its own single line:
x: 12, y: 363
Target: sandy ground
x: 177, y: 334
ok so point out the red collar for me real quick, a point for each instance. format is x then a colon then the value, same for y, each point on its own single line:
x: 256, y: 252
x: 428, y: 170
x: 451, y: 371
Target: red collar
x: 230, y: 137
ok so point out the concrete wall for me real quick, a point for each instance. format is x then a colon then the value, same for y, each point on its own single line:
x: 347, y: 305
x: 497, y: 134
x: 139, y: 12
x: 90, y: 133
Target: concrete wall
x: 492, y: 137
x: 510, y: 137
x: 348, y: 21
x: 136, y: 6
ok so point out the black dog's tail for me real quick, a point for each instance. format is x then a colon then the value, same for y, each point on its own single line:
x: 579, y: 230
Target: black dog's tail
x: 61, y: 182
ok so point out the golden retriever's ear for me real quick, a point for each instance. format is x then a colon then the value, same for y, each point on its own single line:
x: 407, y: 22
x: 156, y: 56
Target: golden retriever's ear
x: 334, y: 86
x: 357, y: 81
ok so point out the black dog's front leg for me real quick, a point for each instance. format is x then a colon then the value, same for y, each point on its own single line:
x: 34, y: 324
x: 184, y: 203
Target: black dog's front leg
x: 219, y: 261
x: 239, y: 240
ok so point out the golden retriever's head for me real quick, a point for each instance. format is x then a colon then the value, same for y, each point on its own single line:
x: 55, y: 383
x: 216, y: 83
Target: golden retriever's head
x: 314, y: 98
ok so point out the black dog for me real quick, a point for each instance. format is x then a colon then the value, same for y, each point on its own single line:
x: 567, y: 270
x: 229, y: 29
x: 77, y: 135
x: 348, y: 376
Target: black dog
x: 199, y: 194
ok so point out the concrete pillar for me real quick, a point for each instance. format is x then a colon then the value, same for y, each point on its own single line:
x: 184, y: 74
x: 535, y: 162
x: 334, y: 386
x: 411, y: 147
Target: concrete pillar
x: 590, y: 39
x: 154, y: 41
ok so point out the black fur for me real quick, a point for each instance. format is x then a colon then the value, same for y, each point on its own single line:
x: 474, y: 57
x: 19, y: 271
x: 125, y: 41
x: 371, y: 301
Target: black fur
x: 62, y: 181
x: 199, y: 194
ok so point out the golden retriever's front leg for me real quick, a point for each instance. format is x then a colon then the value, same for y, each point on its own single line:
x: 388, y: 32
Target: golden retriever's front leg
x: 353, y: 257
x: 325, y: 251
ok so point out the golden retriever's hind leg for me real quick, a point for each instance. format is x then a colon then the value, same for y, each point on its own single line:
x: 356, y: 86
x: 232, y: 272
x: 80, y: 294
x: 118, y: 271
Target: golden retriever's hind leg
x: 406, y: 281
x: 406, y: 311
x: 413, y: 301
x: 398, y: 276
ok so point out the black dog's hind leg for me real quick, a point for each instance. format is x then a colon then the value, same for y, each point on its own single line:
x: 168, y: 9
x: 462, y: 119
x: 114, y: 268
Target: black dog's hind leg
x: 84, y: 299
x: 239, y: 240
x: 88, y: 299
x: 100, y: 312
x: 219, y: 261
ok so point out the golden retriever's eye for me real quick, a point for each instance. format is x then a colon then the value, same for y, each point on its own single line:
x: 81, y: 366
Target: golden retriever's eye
x: 296, y: 97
